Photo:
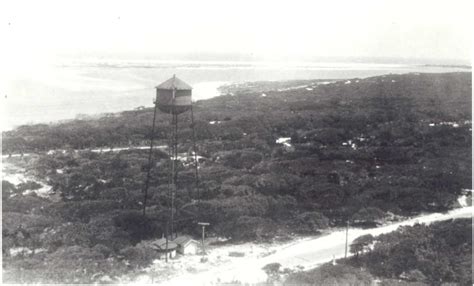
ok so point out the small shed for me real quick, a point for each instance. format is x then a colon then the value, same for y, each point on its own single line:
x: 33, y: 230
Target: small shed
x: 186, y: 245
x: 160, y: 246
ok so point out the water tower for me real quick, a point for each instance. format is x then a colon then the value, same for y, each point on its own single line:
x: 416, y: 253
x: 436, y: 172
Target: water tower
x: 172, y: 97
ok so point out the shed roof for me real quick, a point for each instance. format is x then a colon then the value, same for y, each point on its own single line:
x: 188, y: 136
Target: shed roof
x: 183, y: 240
x: 174, y: 83
x: 160, y: 244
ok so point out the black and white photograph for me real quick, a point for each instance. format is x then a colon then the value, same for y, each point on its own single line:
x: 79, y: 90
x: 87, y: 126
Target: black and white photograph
x: 268, y: 143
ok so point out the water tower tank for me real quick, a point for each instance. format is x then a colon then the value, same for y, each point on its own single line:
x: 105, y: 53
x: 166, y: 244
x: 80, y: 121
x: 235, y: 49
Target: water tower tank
x: 174, y: 96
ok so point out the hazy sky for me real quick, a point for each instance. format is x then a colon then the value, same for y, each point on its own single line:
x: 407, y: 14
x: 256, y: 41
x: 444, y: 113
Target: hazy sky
x: 269, y: 29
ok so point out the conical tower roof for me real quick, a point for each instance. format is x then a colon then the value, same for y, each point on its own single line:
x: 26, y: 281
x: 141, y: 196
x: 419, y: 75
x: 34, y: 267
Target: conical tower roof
x: 174, y: 83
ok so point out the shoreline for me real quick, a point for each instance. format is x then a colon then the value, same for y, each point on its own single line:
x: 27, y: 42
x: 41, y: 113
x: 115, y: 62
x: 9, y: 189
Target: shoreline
x: 202, y: 91
x: 89, y: 97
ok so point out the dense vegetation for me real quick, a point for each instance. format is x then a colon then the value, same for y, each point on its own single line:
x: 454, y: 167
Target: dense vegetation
x: 362, y: 150
x: 412, y: 255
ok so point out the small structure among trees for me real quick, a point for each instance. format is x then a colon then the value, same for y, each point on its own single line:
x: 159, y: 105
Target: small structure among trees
x: 164, y: 248
x: 361, y: 244
x: 186, y: 245
x: 368, y: 217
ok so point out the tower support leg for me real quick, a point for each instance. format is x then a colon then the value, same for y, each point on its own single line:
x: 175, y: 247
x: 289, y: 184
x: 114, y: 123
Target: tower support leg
x: 150, y: 161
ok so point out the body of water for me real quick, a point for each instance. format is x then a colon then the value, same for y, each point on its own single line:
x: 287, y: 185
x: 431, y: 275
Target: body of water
x: 69, y: 89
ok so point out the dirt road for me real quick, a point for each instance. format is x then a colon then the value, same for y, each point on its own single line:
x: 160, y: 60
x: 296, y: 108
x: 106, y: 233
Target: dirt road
x: 307, y: 253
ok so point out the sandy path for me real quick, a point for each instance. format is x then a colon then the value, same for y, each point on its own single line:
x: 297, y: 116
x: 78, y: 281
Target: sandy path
x: 307, y: 253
